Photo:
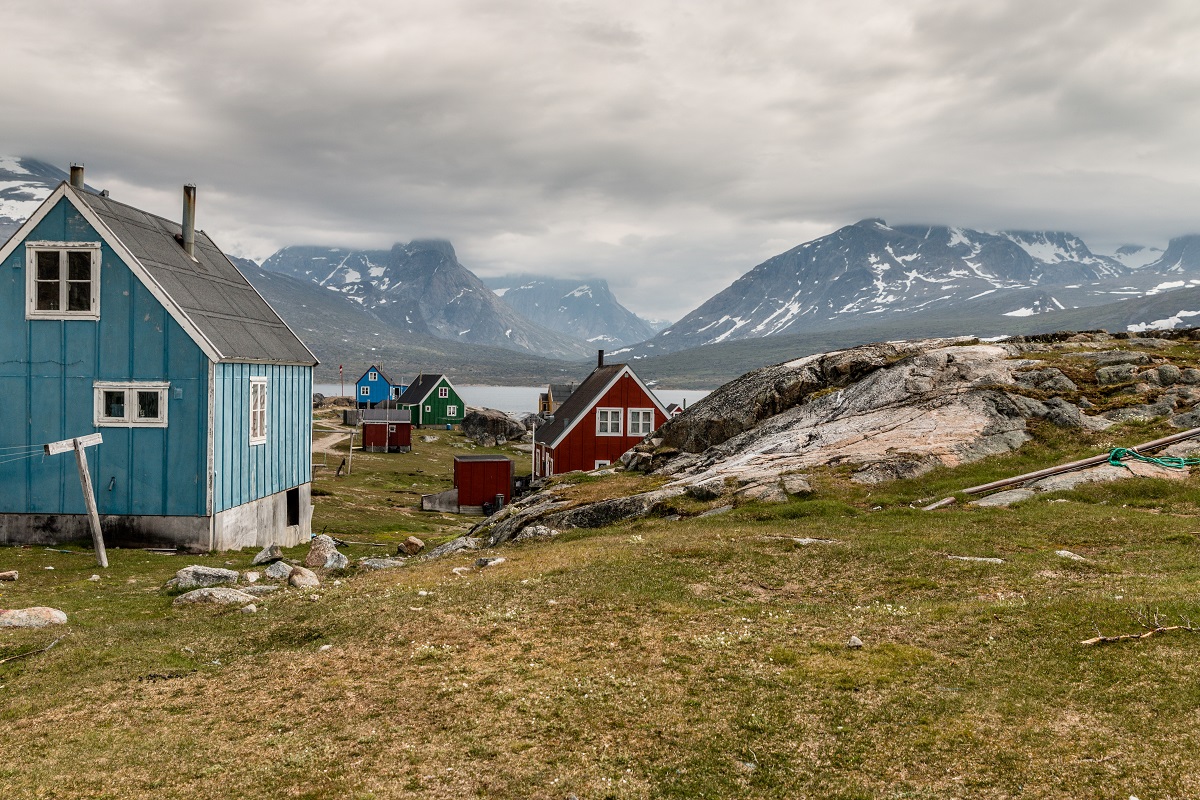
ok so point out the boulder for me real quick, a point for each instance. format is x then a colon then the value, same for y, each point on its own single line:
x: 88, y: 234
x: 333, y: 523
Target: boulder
x: 268, y: 554
x: 453, y: 546
x: 535, y: 532
x: 794, y: 483
x: 36, y: 617
x: 1107, y: 358
x: 410, y: 546
x: 337, y: 561
x: 1190, y: 376
x: 1049, y: 379
x: 488, y: 561
x: 322, y: 553
x: 219, y: 595
x: 1168, y: 374
x: 197, y: 576
x: 489, y: 426
x: 9, y: 575
x: 709, y: 489
x: 1120, y: 373
x: 764, y: 493
x: 302, y: 578
x: 280, y: 571
x: 251, y: 577
x: 381, y: 563
x: 1069, y: 480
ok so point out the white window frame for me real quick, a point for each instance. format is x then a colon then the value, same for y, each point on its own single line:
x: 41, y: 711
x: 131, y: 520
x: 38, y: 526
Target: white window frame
x: 364, y: 391
x: 443, y: 392
x: 395, y: 393
x: 130, y: 418
x: 31, y: 281
x: 428, y: 409
x: 637, y: 430
x: 372, y: 376
x: 606, y: 418
x: 601, y: 464
x: 451, y: 411
x: 260, y: 404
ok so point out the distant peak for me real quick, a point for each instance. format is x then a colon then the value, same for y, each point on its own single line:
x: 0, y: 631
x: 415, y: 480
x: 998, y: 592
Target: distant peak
x: 442, y: 246
x: 872, y: 222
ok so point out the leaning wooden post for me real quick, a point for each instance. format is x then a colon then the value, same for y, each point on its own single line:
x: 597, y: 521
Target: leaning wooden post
x: 85, y: 480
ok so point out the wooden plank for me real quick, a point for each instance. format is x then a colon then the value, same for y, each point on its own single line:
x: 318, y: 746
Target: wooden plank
x: 54, y: 448
x: 89, y: 497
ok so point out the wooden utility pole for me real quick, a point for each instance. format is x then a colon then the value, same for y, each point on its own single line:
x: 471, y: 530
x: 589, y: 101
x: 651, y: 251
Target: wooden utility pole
x: 85, y: 480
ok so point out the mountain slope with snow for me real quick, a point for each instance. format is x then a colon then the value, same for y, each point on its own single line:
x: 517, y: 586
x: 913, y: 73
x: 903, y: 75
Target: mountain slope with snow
x: 584, y: 309
x: 420, y: 287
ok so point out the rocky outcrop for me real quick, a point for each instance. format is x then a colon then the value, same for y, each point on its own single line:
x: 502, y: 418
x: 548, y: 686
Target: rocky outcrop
x: 764, y: 393
x: 197, y: 576
x: 489, y: 427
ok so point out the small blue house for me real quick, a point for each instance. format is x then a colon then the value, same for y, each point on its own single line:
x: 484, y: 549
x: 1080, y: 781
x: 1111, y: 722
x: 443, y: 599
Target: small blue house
x: 119, y: 322
x: 375, y: 387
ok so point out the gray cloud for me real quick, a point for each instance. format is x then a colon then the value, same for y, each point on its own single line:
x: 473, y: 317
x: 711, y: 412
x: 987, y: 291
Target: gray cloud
x: 667, y: 147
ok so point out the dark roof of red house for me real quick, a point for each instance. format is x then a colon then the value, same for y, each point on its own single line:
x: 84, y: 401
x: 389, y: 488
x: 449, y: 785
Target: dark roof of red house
x: 582, y: 399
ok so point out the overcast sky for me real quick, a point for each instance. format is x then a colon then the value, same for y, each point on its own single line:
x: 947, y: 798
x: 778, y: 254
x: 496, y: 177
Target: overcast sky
x: 666, y: 146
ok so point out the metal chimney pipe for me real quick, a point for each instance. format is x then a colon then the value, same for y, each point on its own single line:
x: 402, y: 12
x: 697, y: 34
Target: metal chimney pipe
x: 77, y: 176
x: 189, y: 219
x: 599, y: 359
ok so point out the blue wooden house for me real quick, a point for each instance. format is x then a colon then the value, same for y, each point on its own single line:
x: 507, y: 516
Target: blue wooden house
x: 119, y: 322
x: 374, y: 387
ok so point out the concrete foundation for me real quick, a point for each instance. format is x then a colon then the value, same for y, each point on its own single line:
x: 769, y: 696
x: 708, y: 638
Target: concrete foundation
x: 446, y: 501
x: 265, y: 521
x: 255, y: 524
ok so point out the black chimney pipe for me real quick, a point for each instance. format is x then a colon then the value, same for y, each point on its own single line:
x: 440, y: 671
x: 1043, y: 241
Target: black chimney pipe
x: 599, y: 359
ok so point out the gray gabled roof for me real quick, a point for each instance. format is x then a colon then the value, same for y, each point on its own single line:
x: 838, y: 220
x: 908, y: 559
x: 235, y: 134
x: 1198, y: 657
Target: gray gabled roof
x: 215, y: 296
x: 419, y: 389
x: 582, y: 399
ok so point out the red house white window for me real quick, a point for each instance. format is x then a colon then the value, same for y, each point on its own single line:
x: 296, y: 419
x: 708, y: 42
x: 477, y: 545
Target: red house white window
x: 608, y: 421
x: 641, y: 421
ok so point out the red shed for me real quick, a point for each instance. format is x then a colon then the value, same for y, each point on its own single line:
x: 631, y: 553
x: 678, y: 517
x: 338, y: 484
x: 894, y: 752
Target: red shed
x: 480, y: 478
x: 387, y: 430
x: 610, y: 412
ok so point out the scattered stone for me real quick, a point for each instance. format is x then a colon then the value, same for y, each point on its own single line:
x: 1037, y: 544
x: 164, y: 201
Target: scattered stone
x: 260, y: 590
x: 1069, y: 555
x: 1105, y: 358
x: 271, y: 552
x: 794, y: 483
x: 36, y: 617
x: 220, y: 595
x: 1169, y: 374
x: 487, y: 561
x: 460, y: 571
x: 94, y: 578
x: 12, y: 575
x: 807, y: 540
x: 302, y: 578
x: 280, y: 571
x: 535, y: 532
x: 47, y: 567
x: 1188, y: 420
x: 855, y: 643
x: 324, y: 648
x: 1046, y: 380
x: 453, y: 546
x: 1003, y: 499
x: 337, y: 561
x: 410, y: 546
x: 764, y: 493
x: 427, y: 438
x: 250, y: 609
x: 982, y: 559
x: 712, y: 512
x: 1069, y: 480
x: 381, y: 563
x: 321, y: 552
x: 251, y: 577
x: 197, y: 576
x: 1144, y: 469
x: 1190, y: 376
x: 1120, y: 373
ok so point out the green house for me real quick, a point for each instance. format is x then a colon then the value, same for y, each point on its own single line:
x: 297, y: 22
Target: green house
x: 433, y: 400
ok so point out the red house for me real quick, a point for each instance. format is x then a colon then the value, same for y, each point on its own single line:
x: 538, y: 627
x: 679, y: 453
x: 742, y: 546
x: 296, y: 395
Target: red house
x: 480, y: 478
x: 610, y: 412
x: 387, y: 430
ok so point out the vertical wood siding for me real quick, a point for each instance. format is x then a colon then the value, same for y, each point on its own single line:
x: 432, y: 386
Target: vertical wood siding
x: 47, y: 370
x: 583, y: 447
x: 243, y: 472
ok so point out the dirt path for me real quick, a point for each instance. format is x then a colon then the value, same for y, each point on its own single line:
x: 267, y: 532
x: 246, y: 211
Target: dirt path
x: 329, y: 442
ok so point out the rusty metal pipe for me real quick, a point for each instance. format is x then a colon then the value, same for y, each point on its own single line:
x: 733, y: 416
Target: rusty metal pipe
x: 77, y: 176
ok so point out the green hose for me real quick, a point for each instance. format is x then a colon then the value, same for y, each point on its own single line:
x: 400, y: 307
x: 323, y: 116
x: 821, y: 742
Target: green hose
x: 1171, y: 462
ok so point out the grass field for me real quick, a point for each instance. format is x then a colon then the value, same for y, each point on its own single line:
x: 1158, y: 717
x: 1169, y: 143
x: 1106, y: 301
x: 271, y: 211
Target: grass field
x: 657, y: 659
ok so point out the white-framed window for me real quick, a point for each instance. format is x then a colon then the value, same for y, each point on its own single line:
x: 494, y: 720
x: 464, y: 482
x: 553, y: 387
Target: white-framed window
x: 608, y: 421
x: 601, y: 464
x: 62, y: 280
x: 641, y: 421
x: 443, y: 392
x: 139, y: 404
x: 428, y: 409
x: 364, y: 391
x: 395, y: 392
x: 451, y: 411
x: 258, y: 410
x: 372, y: 376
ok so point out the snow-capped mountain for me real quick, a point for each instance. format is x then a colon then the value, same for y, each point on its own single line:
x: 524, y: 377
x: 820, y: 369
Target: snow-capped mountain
x: 24, y: 184
x: 870, y: 272
x: 1136, y: 256
x: 584, y: 309
x: 421, y: 287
